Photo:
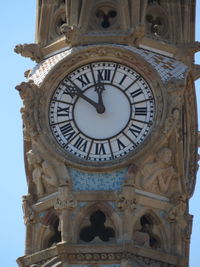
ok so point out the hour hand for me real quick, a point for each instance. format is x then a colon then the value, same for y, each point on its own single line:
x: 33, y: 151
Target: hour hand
x: 73, y: 90
x: 99, y: 88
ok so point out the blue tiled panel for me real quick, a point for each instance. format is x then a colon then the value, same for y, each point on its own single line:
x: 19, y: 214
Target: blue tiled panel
x: 86, y: 181
x: 100, y: 265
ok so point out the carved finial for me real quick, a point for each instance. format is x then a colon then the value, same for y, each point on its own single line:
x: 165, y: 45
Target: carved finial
x: 33, y: 51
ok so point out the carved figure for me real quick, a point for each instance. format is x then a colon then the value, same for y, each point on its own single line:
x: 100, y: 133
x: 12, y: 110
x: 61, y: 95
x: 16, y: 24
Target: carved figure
x: 70, y: 32
x: 145, y: 234
x: 28, y: 91
x: 141, y: 239
x: 179, y: 209
x: 27, y: 209
x: 43, y: 173
x: 33, y: 51
x: 136, y: 35
x: 158, y: 175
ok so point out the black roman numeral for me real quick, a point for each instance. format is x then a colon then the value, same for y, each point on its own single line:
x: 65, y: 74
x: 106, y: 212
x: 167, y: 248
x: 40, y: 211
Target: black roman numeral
x: 123, y: 78
x: 61, y: 112
x: 103, y: 75
x: 81, y: 144
x: 135, y: 130
x: 100, y: 149
x: 70, y: 90
x: 136, y: 92
x: 140, y: 111
x: 68, y: 131
x: 120, y: 144
x: 83, y: 79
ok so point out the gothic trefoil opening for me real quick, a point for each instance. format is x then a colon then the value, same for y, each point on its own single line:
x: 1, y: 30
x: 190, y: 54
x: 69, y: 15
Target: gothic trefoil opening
x: 97, y: 229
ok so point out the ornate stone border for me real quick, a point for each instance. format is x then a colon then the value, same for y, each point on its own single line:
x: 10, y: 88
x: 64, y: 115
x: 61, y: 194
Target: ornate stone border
x: 76, y: 254
x: 84, y: 55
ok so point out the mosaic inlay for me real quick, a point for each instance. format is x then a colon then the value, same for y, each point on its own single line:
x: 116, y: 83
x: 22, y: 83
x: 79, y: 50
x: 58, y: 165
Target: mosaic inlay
x: 166, y: 67
x: 107, y: 181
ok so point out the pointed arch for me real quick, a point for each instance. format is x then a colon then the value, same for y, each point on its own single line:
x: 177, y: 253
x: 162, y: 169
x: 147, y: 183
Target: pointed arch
x: 47, y: 233
x: 159, y: 227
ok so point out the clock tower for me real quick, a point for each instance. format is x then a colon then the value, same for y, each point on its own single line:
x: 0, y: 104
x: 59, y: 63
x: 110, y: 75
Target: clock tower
x: 110, y: 133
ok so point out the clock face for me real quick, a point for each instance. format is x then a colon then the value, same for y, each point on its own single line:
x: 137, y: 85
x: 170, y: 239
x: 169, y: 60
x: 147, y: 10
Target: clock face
x: 101, y: 111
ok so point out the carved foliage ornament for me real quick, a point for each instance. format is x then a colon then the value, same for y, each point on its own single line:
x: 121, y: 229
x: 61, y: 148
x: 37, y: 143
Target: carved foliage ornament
x: 65, y: 199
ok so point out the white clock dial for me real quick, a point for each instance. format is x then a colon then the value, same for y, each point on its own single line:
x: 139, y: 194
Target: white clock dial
x: 101, y: 111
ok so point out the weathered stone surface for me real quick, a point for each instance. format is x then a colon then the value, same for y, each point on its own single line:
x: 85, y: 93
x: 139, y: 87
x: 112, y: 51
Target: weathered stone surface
x: 133, y: 210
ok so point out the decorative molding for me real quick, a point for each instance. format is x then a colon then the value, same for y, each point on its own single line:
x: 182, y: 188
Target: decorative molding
x: 105, y: 255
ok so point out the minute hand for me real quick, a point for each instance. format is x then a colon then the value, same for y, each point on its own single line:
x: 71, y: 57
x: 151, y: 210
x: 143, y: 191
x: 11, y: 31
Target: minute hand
x: 77, y: 91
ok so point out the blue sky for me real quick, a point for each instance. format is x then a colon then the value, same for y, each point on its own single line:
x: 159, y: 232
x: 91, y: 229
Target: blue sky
x: 18, y: 26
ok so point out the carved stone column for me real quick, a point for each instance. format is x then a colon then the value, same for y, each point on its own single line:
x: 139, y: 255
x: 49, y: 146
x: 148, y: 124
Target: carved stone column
x: 29, y: 220
x: 65, y: 204
x: 127, y: 204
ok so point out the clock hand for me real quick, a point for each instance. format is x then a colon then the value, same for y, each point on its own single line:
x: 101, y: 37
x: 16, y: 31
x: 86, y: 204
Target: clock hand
x: 99, y: 88
x: 73, y: 90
